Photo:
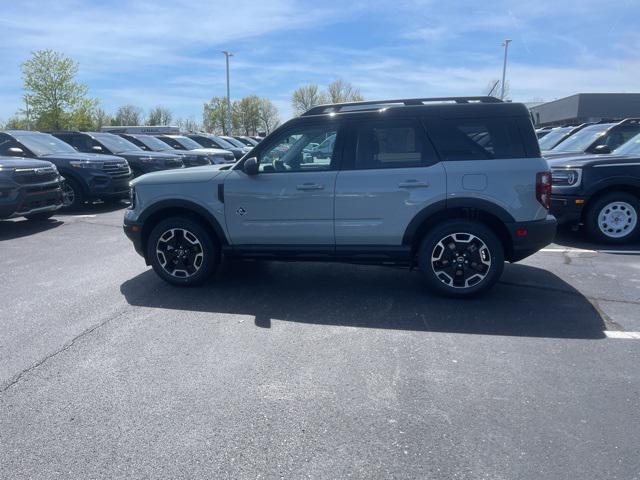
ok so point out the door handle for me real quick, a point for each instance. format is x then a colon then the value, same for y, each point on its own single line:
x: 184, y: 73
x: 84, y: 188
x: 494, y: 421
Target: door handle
x: 413, y: 184
x: 310, y: 186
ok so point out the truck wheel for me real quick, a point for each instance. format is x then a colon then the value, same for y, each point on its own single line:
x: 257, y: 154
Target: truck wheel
x: 182, y: 252
x: 40, y: 217
x: 613, y: 218
x: 72, y: 196
x: 461, y: 258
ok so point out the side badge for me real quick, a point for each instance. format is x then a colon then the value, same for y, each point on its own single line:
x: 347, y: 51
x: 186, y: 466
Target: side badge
x: 241, y: 211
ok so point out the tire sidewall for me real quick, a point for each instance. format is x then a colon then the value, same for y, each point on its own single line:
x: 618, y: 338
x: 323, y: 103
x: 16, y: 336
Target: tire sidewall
x: 593, y: 213
x: 481, y: 231
x: 210, y: 248
x: 78, y: 196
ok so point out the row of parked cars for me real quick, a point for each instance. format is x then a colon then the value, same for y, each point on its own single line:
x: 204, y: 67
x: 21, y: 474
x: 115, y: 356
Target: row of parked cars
x: 596, y: 177
x: 43, y: 172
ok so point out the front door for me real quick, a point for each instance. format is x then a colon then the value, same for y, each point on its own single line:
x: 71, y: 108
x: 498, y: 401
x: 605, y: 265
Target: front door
x: 290, y: 201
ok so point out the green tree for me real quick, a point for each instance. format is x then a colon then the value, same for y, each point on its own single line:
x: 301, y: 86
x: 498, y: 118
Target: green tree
x: 16, y: 123
x: 101, y: 118
x: 127, y: 115
x: 268, y: 116
x: 52, y: 93
x: 159, y: 116
x: 340, y: 91
x: 214, y: 115
x: 305, y: 97
x: 246, y: 115
x: 83, y: 116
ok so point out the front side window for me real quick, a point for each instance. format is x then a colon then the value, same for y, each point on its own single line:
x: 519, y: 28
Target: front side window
x: 476, y: 139
x: 298, y: 151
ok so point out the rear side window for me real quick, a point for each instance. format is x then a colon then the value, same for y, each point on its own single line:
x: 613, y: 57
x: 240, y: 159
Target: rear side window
x: 390, y: 144
x: 476, y: 139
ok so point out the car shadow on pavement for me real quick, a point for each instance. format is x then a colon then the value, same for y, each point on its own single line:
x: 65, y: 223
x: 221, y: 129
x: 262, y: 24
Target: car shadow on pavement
x: 528, y: 301
x: 578, y: 239
x: 22, y: 228
x: 94, y: 208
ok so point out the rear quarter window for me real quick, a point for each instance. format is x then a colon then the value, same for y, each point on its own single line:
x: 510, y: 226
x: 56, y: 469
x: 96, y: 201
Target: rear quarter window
x: 476, y: 138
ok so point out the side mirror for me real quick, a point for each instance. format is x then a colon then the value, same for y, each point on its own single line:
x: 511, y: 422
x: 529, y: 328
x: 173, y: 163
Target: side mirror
x: 602, y: 149
x: 96, y: 148
x: 250, y: 166
x: 16, y: 151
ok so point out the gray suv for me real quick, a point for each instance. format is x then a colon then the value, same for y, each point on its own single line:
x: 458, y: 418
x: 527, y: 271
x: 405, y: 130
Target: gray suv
x: 452, y: 186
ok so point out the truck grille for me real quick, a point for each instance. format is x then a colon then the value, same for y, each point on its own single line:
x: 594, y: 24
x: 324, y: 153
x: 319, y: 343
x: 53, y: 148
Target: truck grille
x: 116, y: 169
x: 27, y: 176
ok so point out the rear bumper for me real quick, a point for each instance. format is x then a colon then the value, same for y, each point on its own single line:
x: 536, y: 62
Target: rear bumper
x: 529, y: 237
x: 565, y: 209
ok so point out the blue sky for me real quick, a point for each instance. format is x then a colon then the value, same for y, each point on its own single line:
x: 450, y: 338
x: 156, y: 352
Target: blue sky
x: 168, y: 53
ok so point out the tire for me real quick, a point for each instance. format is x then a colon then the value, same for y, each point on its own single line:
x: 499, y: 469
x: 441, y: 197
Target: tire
x: 72, y: 195
x: 40, y: 217
x: 198, y: 257
x: 614, y: 218
x: 475, y: 251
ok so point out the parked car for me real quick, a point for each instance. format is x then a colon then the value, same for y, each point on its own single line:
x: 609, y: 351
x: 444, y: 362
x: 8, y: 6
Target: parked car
x: 600, y: 138
x: 405, y: 184
x: 557, y: 135
x: 541, y: 132
x: 248, y: 141
x: 29, y: 188
x: 88, y: 176
x: 207, y: 140
x: 601, y: 192
x: 141, y: 162
x: 182, y: 142
x: 150, y: 143
x: 245, y: 149
x: 257, y: 139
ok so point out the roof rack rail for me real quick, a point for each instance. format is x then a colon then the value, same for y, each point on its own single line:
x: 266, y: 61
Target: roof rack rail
x: 372, y: 104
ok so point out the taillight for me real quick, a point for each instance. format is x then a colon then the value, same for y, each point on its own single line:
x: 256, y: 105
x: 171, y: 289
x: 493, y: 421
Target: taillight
x: 543, y: 189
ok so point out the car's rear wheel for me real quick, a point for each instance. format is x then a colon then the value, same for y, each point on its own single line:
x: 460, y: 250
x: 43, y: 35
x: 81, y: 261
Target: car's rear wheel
x: 613, y: 218
x: 72, y: 196
x: 182, y: 252
x: 461, y: 258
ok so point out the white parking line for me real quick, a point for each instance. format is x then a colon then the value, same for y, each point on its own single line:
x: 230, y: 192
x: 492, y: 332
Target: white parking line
x: 622, y: 335
x: 583, y: 250
x: 83, y: 216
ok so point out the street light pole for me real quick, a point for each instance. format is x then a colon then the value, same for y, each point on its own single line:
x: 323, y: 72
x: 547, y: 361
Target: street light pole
x: 504, y: 67
x: 227, y: 55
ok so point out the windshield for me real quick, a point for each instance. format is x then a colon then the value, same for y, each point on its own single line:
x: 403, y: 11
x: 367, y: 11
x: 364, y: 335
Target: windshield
x: 44, y: 144
x: 234, y: 142
x: 580, y: 141
x: 632, y: 147
x: 187, y: 143
x: 223, y: 143
x: 552, y: 137
x: 153, y: 143
x: 114, y: 143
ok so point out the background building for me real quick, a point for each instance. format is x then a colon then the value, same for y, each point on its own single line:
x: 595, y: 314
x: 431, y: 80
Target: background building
x: 587, y: 107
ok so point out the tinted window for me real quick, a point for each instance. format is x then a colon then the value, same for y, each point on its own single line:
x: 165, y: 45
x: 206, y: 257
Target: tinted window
x: 172, y: 142
x: 44, y: 144
x: 206, y: 142
x: 618, y: 136
x: 476, y: 139
x: 388, y: 145
x: 114, y: 143
x: 298, y: 150
x: 581, y: 140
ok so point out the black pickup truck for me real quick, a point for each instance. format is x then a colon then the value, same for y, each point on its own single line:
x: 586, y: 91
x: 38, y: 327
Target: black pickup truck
x: 29, y: 188
x: 601, y: 192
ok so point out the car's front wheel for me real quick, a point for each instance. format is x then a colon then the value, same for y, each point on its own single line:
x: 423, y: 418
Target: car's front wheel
x: 72, y: 196
x: 182, y: 252
x: 461, y: 258
x: 613, y: 218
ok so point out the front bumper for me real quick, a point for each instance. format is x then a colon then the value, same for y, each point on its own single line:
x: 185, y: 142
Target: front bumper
x: 529, y: 237
x: 30, y: 200
x: 133, y: 231
x: 567, y: 208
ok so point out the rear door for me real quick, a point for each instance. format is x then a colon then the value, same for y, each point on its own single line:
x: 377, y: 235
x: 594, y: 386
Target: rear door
x: 390, y: 172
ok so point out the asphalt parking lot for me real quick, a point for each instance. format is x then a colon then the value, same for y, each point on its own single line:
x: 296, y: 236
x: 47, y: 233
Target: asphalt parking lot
x: 282, y: 370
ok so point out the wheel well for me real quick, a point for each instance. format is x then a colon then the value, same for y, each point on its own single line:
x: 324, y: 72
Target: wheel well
x: 494, y: 223
x: 630, y: 189
x: 153, y: 219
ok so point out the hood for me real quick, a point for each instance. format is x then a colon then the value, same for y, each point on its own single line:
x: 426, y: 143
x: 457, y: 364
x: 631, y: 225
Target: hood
x: 148, y: 154
x: 89, y: 157
x: 209, y: 151
x: 181, y: 175
x: 589, y: 160
x: 549, y: 154
x: 11, y: 163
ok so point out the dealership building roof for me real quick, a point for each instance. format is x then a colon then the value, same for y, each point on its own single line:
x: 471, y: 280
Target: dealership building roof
x: 587, y: 107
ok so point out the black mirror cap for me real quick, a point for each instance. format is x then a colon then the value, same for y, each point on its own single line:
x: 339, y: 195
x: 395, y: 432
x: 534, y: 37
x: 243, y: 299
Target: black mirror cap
x: 603, y: 149
x: 250, y: 166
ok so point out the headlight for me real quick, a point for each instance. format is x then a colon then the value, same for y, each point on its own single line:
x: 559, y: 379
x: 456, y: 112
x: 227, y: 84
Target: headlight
x: 132, y: 197
x: 86, y: 164
x: 566, y: 177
